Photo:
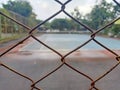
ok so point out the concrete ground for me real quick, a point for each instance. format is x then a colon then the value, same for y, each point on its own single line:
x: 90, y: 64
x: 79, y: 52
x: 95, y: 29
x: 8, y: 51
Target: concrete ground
x: 37, y: 65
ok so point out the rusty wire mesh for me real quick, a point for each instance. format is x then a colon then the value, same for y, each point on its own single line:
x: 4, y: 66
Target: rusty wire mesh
x: 63, y: 57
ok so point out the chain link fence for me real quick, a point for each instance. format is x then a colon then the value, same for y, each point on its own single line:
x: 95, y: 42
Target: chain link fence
x: 33, y: 84
x: 10, y: 29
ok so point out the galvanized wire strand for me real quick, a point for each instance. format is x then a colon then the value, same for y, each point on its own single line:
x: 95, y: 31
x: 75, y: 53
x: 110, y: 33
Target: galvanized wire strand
x: 82, y: 24
x: 103, y: 75
x: 63, y: 4
x: 14, y: 46
x: 16, y: 72
x: 47, y: 46
x: 82, y: 45
x: 117, y: 2
x: 59, y: 2
x: 106, y: 73
x: 37, y: 88
x: 50, y: 17
x: 34, y: 28
x: 111, y: 51
x: 102, y: 28
x: 47, y: 75
x: 83, y: 74
x: 78, y: 71
x: 59, y: 68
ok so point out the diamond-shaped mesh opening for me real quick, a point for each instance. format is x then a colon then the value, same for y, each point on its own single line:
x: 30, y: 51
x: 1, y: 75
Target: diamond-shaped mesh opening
x: 63, y: 58
x: 13, y: 81
x: 54, y: 83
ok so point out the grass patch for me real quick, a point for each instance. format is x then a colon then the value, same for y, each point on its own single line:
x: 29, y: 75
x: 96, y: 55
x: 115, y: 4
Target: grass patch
x: 14, y: 37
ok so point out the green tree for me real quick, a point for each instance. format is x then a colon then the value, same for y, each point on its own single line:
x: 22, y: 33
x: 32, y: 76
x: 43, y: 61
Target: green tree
x: 76, y: 14
x: 19, y: 6
x: 101, y: 14
x: 61, y: 24
x: 116, y: 10
x: 116, y: 29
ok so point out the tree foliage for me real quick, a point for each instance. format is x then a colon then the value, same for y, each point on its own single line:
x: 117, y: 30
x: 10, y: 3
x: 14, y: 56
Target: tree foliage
x: 116, y: 10
x: 60, y: 24
x: 101, y: 14
x: 76, y: 14
x: 19, y: 6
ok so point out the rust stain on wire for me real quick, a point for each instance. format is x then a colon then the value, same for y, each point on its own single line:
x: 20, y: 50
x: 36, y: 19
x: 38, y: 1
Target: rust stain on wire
x: 63, y: 57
